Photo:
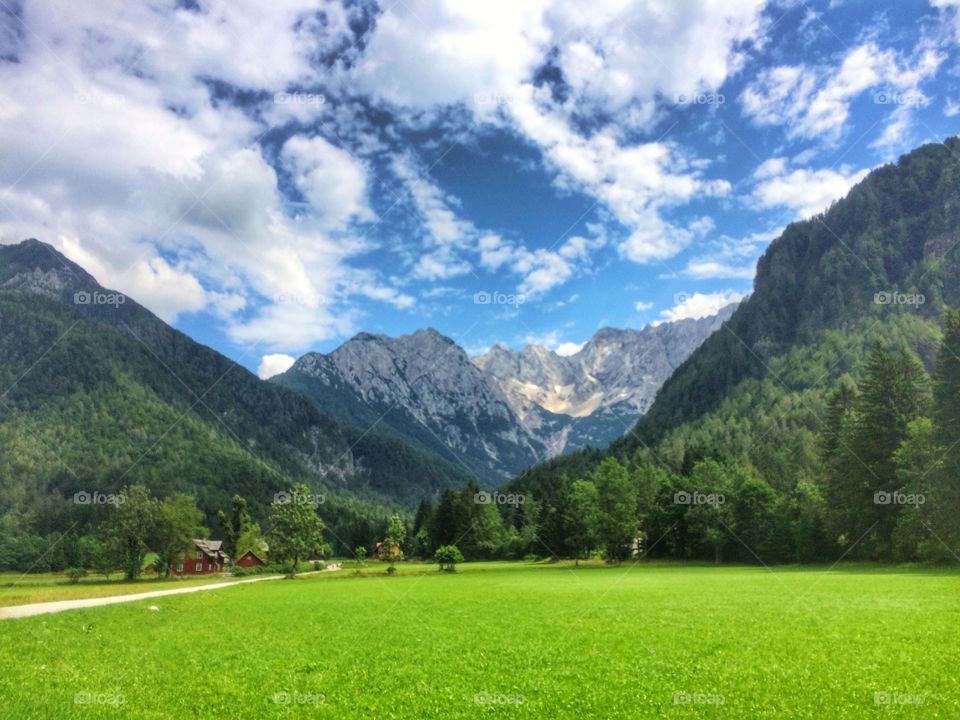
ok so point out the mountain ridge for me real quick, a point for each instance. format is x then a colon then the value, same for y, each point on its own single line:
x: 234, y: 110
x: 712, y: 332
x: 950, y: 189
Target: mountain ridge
x: 274, y: 426
x: 425, y: 387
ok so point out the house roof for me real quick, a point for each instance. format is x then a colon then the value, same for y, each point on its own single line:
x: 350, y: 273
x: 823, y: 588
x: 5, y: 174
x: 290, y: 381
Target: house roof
x: 210, y: 547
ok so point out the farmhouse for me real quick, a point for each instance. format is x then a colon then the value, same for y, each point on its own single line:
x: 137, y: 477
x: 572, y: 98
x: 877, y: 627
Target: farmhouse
x: 252, y: 559
x: 203, y: 558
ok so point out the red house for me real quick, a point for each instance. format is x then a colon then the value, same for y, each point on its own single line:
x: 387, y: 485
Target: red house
x: 205, y: 557
x: 250, y: 559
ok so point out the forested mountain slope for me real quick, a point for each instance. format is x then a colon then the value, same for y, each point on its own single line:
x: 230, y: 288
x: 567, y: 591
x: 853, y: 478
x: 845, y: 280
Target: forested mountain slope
x: 794, y: 394
x: 101, y: 393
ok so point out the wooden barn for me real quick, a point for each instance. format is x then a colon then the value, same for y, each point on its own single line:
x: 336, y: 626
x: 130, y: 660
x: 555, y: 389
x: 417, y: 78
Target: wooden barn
x: 205, y: 557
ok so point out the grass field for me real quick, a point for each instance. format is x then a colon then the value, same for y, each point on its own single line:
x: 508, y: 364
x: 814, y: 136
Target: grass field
x: 21, y: 589
x: 507, y: 640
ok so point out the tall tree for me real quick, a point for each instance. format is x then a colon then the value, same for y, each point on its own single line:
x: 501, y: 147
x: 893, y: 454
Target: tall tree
x: 235, y: 524
x: 617, y: 524
x: 864, y: 431
x: 396, y: 534
x: 581, y: 517
x: 894, y: 392
x: 179, y: 520
x: 944, y: 482
x: 129, y: 526
x: 296, y: 528
x: 449, y: 521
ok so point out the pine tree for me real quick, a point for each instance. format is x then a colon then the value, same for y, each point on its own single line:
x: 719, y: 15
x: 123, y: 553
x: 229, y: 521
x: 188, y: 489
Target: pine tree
x: 943, y: 482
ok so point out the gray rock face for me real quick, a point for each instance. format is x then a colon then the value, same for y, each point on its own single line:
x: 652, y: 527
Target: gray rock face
x: 603, y: 388
x: 424, y: 387
x: 504, y: 410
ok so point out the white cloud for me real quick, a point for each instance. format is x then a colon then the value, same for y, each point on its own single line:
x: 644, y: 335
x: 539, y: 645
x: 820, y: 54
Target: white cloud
x: 452, y: 244
x: 806, y: 192
x: 700, y: 305
x: 713, y: 269
x: 814, y: 102
x: 641, y: 306
x: 949, y: 16
x: 619, y: 57
x: 540, y: 270
x: 114, y: 148
x: 332, y: 180
x: 569, y: 348
x: 552, y: 341
x: 729, y: 257
x: 275, y: 364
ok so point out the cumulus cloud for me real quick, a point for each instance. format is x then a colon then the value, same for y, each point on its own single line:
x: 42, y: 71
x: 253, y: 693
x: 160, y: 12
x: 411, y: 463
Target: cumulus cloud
x: 700, y: 305
x: 814, y: 101
x: 117, y: 150
x: 569, y: 348
x: 540, y: 270
x: 331, y: 179
x: 619, y: 58
x: 804, y: 191
x: 274, y: 364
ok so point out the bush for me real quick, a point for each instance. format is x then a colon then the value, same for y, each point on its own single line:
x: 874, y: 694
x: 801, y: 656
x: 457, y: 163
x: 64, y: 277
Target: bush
x: 75, y: 575
x: 447, y: 556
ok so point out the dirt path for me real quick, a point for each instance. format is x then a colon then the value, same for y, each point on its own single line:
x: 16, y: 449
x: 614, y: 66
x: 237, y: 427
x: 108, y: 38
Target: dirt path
x: 18, y: 611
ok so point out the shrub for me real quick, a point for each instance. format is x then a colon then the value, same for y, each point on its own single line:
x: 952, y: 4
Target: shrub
x: 75, y: 575
x: 447, y: 556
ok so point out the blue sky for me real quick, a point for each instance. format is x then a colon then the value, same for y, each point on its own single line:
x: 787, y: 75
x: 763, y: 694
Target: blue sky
x: 273, y: 178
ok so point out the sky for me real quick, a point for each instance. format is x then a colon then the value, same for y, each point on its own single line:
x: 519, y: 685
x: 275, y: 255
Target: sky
x: 272, y: 178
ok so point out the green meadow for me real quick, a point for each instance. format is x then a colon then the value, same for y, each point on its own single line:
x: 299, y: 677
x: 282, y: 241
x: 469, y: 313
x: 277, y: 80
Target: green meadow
x: 507, y: 640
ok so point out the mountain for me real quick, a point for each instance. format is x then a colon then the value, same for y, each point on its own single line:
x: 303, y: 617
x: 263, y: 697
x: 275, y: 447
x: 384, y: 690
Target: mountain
x: 880, y: 263
x: 424, y: 388
x: 100, y: 392
x: 600, y: 390
x: 504, y: 410
x: 879, y: 268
